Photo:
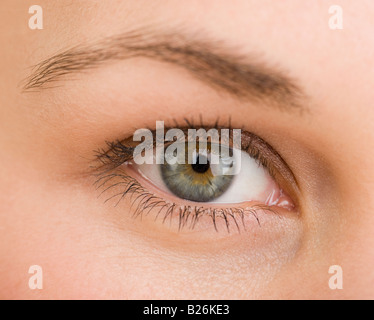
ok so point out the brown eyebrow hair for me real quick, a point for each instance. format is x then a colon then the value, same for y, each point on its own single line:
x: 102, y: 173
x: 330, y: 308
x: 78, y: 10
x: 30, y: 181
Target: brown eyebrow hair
x: 209, y: 61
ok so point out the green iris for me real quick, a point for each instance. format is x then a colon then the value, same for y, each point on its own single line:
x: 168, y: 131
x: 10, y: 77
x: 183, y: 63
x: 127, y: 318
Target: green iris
x: 196, y: 182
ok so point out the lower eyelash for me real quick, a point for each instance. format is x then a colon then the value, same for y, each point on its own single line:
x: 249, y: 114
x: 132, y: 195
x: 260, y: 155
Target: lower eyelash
x: 188, y: 216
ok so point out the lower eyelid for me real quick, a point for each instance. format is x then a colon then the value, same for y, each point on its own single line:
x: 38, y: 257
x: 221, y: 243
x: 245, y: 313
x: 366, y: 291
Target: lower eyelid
x: 182, y: 215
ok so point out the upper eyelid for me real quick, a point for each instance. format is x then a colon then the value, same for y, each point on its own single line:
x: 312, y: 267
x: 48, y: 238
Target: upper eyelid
x: 278, y: 161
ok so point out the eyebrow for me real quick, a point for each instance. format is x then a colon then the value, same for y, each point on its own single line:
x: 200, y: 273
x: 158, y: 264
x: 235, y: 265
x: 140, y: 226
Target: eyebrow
x: 213, y: 62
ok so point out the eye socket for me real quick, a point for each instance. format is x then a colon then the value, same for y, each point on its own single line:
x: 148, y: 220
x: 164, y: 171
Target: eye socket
x: 207, y: 182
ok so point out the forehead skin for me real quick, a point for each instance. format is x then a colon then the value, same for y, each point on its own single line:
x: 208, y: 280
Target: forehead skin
x: 334, y: 67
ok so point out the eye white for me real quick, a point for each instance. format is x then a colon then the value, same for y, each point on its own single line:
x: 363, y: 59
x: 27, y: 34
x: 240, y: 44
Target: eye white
x: 251, y: 183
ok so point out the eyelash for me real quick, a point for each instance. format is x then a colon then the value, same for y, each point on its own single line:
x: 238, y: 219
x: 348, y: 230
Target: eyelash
x: 188, y: 216
x: 118, y: 153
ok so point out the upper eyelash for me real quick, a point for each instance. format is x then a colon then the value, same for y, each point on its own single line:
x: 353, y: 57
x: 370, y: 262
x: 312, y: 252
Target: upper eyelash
x: 117, y: 152
x: 188, y: 216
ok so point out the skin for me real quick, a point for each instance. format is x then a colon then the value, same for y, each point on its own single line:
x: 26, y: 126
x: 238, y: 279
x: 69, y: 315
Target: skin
x: 51, y: 215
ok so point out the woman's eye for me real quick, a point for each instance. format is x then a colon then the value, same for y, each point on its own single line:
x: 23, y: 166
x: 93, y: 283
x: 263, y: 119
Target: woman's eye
x: 215, y: 180
x: 234, y: 177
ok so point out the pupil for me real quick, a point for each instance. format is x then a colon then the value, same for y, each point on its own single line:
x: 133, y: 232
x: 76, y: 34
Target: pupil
x: 201, y: 167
